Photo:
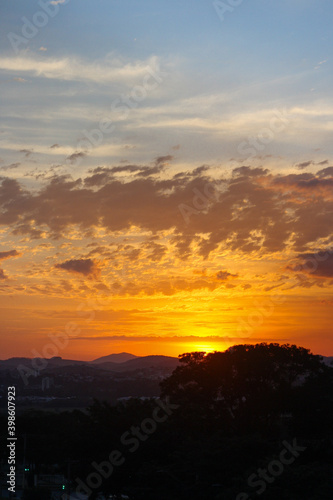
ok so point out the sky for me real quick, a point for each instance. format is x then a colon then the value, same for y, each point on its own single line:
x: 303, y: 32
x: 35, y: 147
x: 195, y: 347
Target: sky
x: 166, y: 174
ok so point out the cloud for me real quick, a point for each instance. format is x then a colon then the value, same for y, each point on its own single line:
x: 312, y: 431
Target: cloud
x: 304, y: 164
x: 54, y: 146
x: 224, y: 275
x: 166, y: 286
x: 12, y: 166
x: 103, y: 174
x: 44, y: 49
x: 246, y: 213
x: 87, y: 267
x: 326, y: 172
x: 110, y: 70
x: 9, y: 254
x: 250, y: 171
x: 183, y: 339
x: 164, y: 160
x: 319, y: 264
x: 26, y: 152
x: 78, y: 155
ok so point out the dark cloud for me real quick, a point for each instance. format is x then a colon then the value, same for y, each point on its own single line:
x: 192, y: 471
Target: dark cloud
x: 54, y: 146
x: 122, y: 168
x: 305, y: 182
x: 224, y: 275
x: 12, y: 166
x: 87, y: 267
x: 145, y: 172
x: 308, y: 163
x: 163, y: 160
x: 158, y: 251
x: 74, y: 157
x: 254, y: 210
x: 326, y: 172
x: 101, y: 175
x: 26, y: 152
x: 9, y: 254
x: 319, y: 264
x: 304, y: 164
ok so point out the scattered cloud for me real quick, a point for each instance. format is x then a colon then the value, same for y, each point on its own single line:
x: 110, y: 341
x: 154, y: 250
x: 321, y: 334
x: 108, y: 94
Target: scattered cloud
x: 224, y: 275
x: 27, y: 152
x: 12, y: 166
x: 319, y: 264
x: 86, y: 267
x: 74, y: 157
x: 326, y: 172
x: 304, y: 164
x: 178, y: 338
x: 250, y: 212
x: 163, y: 160
x: 9, y: 254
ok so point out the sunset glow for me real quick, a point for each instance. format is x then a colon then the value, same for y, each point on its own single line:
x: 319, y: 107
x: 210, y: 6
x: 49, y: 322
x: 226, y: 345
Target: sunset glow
x: 161, y: 190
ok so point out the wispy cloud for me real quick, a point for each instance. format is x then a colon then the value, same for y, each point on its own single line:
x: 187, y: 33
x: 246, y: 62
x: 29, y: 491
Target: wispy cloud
x: 111, y: 69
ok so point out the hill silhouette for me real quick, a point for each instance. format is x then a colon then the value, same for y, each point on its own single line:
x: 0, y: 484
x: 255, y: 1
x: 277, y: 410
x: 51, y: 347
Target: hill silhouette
x: 120, y: 357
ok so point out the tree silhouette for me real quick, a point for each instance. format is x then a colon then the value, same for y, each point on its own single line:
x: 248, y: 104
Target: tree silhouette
x: 247, y: 384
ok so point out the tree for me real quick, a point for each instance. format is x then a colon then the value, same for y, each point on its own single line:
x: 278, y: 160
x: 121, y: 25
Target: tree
x: 245, y: 385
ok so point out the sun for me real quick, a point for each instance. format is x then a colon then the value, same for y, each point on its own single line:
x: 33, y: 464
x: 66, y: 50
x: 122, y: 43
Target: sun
x: 207, y: 348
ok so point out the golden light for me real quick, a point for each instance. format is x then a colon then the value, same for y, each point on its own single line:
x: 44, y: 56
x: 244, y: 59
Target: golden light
x: 207, y: 348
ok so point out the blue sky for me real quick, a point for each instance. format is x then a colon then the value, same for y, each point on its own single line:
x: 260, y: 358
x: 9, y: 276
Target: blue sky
x: 222, y: 79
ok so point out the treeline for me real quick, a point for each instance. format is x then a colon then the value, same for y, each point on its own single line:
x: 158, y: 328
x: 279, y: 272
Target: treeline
x: 255, y: 421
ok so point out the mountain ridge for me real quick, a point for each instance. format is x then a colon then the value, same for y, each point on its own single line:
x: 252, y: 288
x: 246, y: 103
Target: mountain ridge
x: 120, y: 357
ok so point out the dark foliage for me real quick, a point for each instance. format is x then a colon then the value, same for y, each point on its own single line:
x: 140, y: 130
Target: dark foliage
x: 236, y: 410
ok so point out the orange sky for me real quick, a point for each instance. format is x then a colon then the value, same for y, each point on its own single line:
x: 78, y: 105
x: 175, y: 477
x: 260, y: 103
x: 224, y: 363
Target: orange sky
x: 114, y: 263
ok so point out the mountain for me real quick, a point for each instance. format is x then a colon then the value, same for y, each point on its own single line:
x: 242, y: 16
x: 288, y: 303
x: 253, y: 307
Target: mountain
x: 114, y: 358
x: 13, y: 363
x: 142, y: 363
x: 121, y: 363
